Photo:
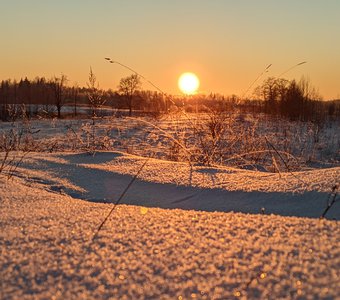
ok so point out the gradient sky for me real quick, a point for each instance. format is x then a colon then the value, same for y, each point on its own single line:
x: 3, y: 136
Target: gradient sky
x: 226, y: 43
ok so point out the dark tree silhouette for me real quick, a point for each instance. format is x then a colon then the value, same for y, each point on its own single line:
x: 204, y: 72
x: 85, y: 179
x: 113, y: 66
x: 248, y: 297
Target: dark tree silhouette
x: 272, y: 91
x: 128, y: 86
x: 58, y: 88
x: 74, y: 95
x: 293, y: 102
x: 25, y: 95
x: 291, y: 99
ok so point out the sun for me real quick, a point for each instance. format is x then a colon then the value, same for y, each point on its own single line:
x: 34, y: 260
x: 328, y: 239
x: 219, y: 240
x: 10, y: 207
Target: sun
x: 188, y: 83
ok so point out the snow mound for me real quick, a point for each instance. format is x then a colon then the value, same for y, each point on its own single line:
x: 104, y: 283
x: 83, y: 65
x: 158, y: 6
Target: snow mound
x: 103, y: 177
x: 153, y: 253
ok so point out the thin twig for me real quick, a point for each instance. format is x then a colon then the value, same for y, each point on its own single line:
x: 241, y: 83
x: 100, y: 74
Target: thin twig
x: 189, y: 154
x: 331, y: 200
x: 278, y: 153
x: 256, y: 79
x: 119, y: 199
x: 284, y: 162
x: 16, y: 165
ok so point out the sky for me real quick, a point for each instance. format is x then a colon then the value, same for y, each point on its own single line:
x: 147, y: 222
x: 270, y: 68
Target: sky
x: 227, y: 43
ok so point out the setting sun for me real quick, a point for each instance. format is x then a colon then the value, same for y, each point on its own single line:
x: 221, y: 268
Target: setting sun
x: 188, y: 83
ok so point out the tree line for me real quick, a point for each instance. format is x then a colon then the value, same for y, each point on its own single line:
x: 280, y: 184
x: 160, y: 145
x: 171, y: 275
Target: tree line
x: 49, y: 96
x: 294, y: 100
x: 275, y: 97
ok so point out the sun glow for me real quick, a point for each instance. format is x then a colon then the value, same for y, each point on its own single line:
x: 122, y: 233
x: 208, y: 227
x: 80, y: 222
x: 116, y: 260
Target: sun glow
x: 188, y: 83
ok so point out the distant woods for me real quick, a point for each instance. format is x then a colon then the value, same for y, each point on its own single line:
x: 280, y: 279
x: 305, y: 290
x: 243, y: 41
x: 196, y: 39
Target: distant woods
x: 128, y: 87
x: 56, y: 97
x: 294, y: 100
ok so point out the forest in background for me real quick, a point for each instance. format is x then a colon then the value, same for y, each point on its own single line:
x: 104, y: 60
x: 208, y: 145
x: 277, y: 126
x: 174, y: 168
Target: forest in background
x: 292, y: 100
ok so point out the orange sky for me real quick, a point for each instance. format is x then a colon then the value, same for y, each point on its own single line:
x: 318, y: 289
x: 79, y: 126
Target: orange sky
x: 226, y: 43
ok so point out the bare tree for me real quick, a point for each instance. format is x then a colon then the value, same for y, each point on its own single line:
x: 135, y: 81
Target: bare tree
x: 309, y: 92
x: 74, y: 94
x: 272, y: 91
x: 128, y: 86
x: 58, y: 88
x: 94, y: 94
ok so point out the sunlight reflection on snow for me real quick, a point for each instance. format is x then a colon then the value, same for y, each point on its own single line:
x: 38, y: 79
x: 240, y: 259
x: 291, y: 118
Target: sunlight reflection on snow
x: 144, y: 210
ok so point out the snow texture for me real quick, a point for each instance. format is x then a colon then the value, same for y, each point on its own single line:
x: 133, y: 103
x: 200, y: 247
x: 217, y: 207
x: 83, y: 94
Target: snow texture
x: 102, y: 177
x: 198, y: 249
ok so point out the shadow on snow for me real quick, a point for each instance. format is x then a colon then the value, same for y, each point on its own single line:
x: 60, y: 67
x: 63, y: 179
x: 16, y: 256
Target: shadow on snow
x: 106, y: 186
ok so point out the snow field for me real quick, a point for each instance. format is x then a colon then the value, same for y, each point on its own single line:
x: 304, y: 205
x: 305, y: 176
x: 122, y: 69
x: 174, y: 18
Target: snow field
x: 182, y: 232
x: 237, y: 135
x: 152, y: 253
x: 102, y: 177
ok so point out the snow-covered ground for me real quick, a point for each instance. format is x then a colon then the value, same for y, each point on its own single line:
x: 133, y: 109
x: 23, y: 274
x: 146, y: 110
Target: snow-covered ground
x: 224, y: 139
x: 183, y: 230
x: 188, y: 232
x: 102, y: 177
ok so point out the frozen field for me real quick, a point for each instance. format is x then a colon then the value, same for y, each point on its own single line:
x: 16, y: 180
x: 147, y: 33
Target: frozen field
x: 102, y: 177
x: 147, y: 252
x: 182, y: 231
x: 216, y: 138
x: 152, y: 253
